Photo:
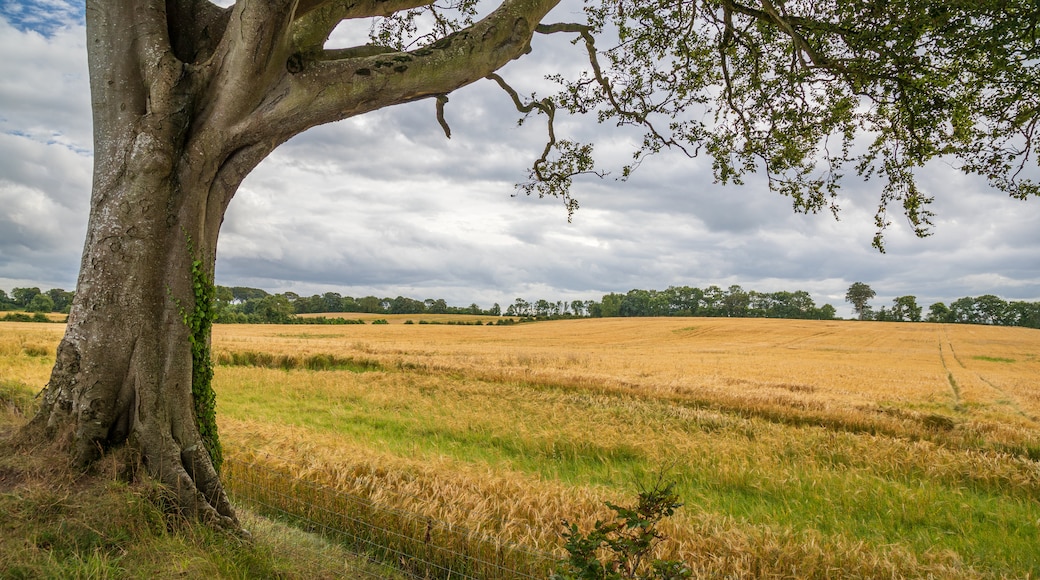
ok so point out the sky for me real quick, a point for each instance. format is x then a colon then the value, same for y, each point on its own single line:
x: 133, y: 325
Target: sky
x: 385, y: 205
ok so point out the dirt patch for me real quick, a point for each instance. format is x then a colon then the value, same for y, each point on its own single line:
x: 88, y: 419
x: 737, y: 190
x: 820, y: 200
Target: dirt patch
x: 10, y: 479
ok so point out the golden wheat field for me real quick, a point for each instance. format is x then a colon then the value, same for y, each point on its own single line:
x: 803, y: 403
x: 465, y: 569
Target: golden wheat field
x: 825, y: 449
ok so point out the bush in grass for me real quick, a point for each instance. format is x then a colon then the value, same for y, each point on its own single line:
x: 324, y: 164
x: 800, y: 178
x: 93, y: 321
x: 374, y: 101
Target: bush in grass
x: 623, y: 549
x: 23, y: 317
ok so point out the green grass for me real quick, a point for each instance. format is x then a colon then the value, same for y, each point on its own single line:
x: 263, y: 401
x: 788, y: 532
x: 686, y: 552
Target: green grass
x: 55, y: 523
x: 314, y: 362
x: 59, y: 523
x: 17, y: 398
x: 996, y: 359
x: 856, y: 487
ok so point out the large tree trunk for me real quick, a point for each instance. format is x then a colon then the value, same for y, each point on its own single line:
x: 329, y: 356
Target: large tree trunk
x: 187, y: 99
x: 124, y: 369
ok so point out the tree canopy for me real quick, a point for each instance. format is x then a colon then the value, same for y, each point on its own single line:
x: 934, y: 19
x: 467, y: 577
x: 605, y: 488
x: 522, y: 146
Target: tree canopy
x: 806, y: 91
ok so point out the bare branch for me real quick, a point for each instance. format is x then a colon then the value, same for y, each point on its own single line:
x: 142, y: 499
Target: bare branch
x: 441, y: 101
x: 546, y: 106
x: 358, y: 8
x: 316, y: 19
x: 553, y: 177
x: 337, y: 89
x: 629, y: 115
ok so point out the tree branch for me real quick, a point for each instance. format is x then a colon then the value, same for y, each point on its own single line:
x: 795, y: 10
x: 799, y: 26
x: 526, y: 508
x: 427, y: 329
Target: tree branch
x: 359, y: 8
x: 330, y: 90
x: 635, y: 117
x: 770, y: 14
x: 355, y: 52
x: 316, y: 19
x: 546, y: 106
x: 196, y: 26
x: 441, y: 101
x: 251, y: 58
x: 553, y: 177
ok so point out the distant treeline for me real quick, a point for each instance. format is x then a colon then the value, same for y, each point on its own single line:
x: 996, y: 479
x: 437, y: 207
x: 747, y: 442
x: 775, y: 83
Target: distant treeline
x: 33, y: 300
x: 986, y: 309
x: 239, y: 304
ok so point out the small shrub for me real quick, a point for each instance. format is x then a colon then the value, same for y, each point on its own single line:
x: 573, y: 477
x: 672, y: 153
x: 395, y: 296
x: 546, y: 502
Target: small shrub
x: 289, y: 362
x: 380, y: 321
x: 623, y: 549
x: 35, y: 350
x: 938, y: 422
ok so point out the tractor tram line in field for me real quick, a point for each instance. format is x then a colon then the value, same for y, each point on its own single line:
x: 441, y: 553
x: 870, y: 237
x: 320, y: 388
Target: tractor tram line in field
x: 954, y: 387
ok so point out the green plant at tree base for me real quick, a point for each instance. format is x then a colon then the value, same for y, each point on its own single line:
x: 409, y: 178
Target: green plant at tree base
x: 200, y: 322
x: 623, y: 549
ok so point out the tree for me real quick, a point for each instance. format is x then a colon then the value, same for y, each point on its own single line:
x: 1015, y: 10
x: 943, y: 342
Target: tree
x: 735, y: 302
x: 578, y: 307
x: 610, y: 305
x: 684, y: 300
x: 858, y: 295
x: 635, y: 303
x: 991, y: 309
x: 906, y: 308
x: 402, y: 305
x: 826, y: 312
x: 62, y: 299
x: 276, y: 309
x: 189, y: 97
x: 542, y: 307
x: 939, y: 312
x: 40, y: 303
x: 245, y: 294
x: 963, y: 310
x: 371, y: 304
x: 713, y: 301
x: 1024, y: 313
x: 24, y: 296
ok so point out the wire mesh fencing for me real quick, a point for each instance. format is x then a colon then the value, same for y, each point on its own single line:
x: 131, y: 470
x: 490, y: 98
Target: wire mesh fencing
x: 415, y: 545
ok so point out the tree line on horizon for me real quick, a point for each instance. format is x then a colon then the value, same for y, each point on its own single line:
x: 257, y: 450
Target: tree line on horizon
x: 240, y: 304
x: 985, y: 309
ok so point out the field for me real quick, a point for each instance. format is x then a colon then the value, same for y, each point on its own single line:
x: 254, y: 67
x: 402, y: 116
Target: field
x: 800, y: 448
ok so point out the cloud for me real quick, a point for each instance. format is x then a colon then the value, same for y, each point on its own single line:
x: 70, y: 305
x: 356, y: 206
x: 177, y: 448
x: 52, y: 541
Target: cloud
x: 384, y: 204
x: 43, y: 16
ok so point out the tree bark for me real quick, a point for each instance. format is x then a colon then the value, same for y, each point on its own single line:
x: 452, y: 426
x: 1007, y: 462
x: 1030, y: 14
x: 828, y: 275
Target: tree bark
x: 124, y: 368
x: 187, y: 99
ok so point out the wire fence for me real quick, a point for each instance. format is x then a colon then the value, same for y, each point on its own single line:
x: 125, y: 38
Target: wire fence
x: 417, y: 546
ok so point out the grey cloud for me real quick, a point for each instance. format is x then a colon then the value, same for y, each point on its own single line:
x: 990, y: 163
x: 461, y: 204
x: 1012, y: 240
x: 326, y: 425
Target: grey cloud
x: 386, y: 205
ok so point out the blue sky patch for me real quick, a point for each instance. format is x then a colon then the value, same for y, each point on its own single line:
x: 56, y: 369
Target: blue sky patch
x: 43, y: 16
